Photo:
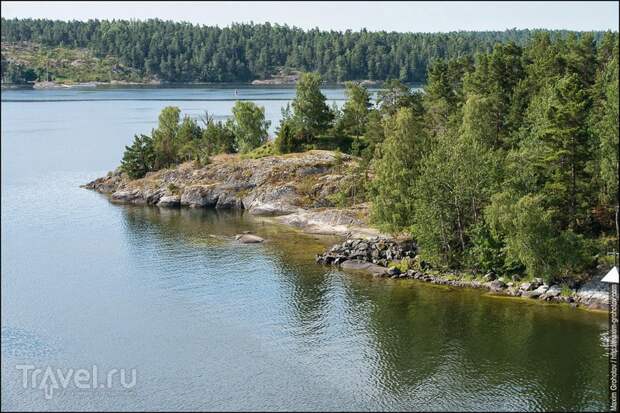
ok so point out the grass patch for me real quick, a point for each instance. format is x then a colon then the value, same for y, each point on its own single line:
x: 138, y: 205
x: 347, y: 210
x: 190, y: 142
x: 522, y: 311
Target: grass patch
x: 174, y: 189
x: 267, y: 149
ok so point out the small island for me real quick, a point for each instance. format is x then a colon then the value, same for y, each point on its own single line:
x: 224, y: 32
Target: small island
x: 490, y: 178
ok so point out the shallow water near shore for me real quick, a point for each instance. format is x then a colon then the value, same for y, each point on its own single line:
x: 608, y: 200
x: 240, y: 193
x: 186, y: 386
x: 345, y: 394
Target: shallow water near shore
x: 211, y: 324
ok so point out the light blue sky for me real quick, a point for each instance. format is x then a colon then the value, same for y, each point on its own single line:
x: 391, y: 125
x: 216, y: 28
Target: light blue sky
x: 397, y: 16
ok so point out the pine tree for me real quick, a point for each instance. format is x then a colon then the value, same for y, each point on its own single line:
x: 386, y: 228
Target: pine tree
x: 310, y: 112
x: 356, y: 108
x: 396, y: 171
x: 139, y: 158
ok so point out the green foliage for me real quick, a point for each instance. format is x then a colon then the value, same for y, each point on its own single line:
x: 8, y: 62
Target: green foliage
x: 139, y: 158
x: 24, y: 62
x: 164, y: 137
x: 15, y: 73
x: 217, y: 136
x: 249, y: 126
x: 188, y: 139
x: 181, y: 52
x: 395, y: 95
x: 532, y: 237
x: 311, y: 115
x: 396, y: 171
x: 285, y: 141
x: 457, y: 177
x: 488, y: 252
x: 332, y: 143
x: 403, y: 265
x: 515, y: 160
x: 175, y: 141
x: 266, y: 149
x: 355, y: 110
x: 566, y: 290
x: 604, y: 121
x: 173, y: 189
x: 553, y: 156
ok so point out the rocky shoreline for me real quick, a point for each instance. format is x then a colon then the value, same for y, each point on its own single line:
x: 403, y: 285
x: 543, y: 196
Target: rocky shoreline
x: 391, y: 258
x: 295, y: 190
x: 292, y: 189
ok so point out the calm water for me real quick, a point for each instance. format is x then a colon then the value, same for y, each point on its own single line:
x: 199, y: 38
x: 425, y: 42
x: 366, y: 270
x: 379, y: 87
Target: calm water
x: 212, y: 325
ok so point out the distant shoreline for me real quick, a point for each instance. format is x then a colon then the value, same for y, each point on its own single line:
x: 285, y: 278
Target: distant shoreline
x: 153, y: 84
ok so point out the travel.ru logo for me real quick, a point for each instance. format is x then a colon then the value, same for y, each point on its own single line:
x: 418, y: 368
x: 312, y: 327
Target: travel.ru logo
x: 50, y: 379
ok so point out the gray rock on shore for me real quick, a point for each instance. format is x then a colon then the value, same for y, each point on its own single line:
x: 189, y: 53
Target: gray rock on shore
x: 169, y: 201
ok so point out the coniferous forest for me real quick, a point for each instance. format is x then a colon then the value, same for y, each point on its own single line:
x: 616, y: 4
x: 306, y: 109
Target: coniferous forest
x: 182, y: 52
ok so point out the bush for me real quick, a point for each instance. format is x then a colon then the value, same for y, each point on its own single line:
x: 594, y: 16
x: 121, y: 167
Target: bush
x: 332, y: 143
x: 249, y: 126
x: 488, y: 253
x: 533, y: 238
x: 285, y: 140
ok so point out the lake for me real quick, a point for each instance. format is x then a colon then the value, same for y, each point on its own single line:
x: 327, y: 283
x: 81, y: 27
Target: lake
x: 208, y: 324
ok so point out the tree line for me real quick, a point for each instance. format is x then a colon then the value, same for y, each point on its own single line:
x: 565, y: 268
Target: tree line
x: 511, y: 164
x: 182, y: 52
x: 507, y: 162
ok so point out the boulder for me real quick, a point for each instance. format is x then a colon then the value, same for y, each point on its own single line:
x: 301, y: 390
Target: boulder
x: 248, y: 239
x: 526, y: 286
x: 537, y: 292
x: 496, y: 285
x: 134, y: 196
x: 358, y: 265
x: 553, y: 291
x: 169, y: 201
x: 199, y: 196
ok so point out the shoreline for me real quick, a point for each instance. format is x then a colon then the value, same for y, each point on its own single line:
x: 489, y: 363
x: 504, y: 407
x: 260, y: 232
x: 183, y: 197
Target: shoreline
x: 257, y: 83
x: 292, y: 190
x: 398, y: 259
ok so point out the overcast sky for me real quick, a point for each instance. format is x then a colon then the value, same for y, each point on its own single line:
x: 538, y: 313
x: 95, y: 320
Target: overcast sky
x: 396, y: 16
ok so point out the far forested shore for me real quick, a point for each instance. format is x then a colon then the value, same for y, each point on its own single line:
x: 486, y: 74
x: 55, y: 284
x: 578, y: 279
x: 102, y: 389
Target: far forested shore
x: 164, y: 51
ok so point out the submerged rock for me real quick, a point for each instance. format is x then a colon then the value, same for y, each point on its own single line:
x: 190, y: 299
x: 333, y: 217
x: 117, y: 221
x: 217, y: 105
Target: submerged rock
x: 358, y: 265
x: 248, y: 239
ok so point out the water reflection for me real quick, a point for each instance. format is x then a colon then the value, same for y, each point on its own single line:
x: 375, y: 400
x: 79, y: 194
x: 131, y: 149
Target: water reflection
x: 393, y: 343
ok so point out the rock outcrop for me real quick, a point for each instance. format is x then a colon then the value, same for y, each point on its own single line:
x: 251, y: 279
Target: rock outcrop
x: 294, y: 188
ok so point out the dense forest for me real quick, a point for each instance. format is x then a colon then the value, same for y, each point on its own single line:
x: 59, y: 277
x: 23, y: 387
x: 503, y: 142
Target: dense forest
x: 182, y: 52
x: 508, y: 161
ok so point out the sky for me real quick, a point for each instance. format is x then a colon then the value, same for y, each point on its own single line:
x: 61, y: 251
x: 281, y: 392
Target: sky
x: 389, y: 16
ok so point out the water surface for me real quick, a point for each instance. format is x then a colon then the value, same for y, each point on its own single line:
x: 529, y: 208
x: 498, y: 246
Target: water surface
x: 209, y: 324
